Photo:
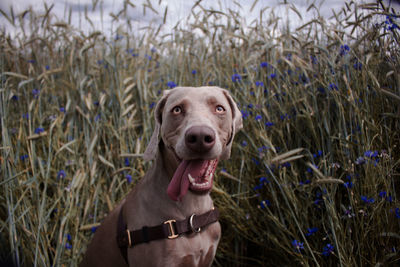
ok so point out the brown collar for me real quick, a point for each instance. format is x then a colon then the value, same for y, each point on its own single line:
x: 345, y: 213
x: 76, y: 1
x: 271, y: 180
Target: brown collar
x: 170, y: 229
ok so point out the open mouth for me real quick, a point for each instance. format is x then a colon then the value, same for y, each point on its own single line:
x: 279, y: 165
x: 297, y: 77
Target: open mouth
x: 202, y: 181
x: 196, y: 175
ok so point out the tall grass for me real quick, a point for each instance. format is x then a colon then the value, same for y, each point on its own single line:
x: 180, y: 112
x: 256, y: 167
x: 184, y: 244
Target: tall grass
x: 313, y: 178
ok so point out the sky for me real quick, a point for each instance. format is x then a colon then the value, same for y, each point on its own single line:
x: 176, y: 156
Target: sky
x: 178, y: 10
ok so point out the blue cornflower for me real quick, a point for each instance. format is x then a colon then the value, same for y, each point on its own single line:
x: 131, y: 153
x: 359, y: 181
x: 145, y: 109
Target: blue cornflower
x: 344, y: 49
x: 264, y: 180
x: 126, y: 162
x: 236, y: 77
x: 269, y: 124
x: 297, y: 245
x: 14, y: 97
x: 152, y: 105
x: 35, y: 93
x: 328, y: 250
x: 382, y: 194
x: 23, y: 157
x: 305, y: 182
x: 62, y: 109
x: 194, y: 72
x: 311, y: 231
x: 318, y: 154
x: 245, y: 114
x: 357, y: 65
x: 257, y: 187
x: 68, y: 237
x: 39, y: 130
x: 171, y: 84
x: 286, y: 165
x: 255, y: 161
x: 61, y: 174
x: 265, y: 203
x: 153, y: 50
x: 259, y: 84
x: 244, y: 143
x: 314, y: 59
x: 367, y: 200
x: 397, y: 213
x: 128, y: 178
x: 371, y: 154
x: 93, y: 229
x: 258, y: 117
x: 289, y: 56
x: 284, y: 116
x: 68, y: 246
x: 118, y: 37
x: 333, y: 86
x: 348, y: 184
x: 47, y: 67
x: 272, y: 76
x: 391, y: 23
x: 264, y: 64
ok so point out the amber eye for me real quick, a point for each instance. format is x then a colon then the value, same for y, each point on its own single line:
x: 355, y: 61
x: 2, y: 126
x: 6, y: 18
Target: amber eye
x: 220, y: 109
x: 177, y: 110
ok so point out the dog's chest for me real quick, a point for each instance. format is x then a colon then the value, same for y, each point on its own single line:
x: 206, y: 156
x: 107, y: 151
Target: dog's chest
x: 196, y: 249
x: 193, y: 250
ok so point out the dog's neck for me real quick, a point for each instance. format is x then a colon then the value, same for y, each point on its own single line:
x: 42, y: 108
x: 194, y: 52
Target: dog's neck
x: 169, y: 161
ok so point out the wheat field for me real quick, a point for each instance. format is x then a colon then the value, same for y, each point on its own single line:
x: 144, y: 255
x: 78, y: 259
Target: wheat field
x: 314, y: 175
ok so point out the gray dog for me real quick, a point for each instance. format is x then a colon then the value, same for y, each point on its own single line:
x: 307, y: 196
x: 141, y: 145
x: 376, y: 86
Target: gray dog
x: 169, y: 219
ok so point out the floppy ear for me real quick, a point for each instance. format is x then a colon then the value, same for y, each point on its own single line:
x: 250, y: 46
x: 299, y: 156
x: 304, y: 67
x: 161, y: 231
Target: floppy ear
x: 152, y: 147
x: 237, y: 124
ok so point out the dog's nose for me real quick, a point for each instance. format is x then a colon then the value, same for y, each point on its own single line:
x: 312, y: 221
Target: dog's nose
x: 200, y: 138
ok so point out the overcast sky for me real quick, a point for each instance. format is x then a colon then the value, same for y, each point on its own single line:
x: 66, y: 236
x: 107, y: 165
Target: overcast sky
x: 177, y: 10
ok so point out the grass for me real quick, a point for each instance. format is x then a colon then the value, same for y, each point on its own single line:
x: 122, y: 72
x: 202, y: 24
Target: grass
x: 313, y: 178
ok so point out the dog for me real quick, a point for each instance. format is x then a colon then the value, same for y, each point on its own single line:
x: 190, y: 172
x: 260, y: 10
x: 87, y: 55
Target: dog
x: 169, y: 219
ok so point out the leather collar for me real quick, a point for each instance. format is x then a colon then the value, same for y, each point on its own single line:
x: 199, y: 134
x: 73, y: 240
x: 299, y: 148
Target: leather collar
x: 169, y: 229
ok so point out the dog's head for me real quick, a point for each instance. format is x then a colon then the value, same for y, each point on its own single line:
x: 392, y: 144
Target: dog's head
x: 197, y: 124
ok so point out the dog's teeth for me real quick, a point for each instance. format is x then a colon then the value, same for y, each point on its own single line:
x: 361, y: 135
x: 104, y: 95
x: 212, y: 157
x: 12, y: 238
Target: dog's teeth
x: 191, y: 179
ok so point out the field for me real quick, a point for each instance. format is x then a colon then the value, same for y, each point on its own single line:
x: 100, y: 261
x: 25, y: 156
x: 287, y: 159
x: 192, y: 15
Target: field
x: 314, y: 175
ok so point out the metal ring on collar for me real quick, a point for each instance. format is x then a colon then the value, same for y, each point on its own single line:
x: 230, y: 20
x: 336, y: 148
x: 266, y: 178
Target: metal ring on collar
x: 191, y: 225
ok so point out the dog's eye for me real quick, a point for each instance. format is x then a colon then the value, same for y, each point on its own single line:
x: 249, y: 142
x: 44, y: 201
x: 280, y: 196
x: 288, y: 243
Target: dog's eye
x: 177, y: 110
x: 220, y: 109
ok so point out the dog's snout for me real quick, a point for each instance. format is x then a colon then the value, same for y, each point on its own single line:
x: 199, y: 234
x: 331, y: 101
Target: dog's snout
x: 200, y: 138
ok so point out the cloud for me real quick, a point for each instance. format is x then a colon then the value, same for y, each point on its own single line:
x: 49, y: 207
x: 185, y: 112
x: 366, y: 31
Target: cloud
x: 178, y: 11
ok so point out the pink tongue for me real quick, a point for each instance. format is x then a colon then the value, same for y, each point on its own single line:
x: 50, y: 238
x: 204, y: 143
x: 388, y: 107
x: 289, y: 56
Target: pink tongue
x: 179, y: 184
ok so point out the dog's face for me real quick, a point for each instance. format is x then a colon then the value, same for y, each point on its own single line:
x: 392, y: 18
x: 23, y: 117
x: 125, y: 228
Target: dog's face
x: 197, y: 126
x: 198, y: 122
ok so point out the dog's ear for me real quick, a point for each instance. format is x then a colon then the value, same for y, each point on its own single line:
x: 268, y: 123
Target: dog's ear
x: 237, y: 124
x: 152, y: 147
